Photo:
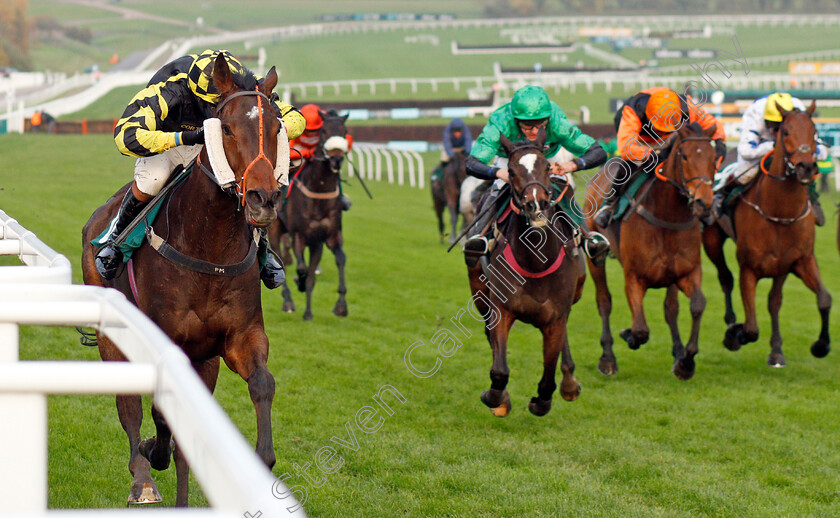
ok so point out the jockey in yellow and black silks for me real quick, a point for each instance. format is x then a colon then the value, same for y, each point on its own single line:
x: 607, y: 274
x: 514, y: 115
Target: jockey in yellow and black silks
x: 163, y: 128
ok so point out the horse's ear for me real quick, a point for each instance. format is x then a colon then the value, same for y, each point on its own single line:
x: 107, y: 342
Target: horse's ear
x: 267, y: 85
x: 507, y: 145
x: 710, y: 131
x: 781, y: 110
x: 542, y: 135
x: 323, y: 114
x: 812, y: 107
x: 344, y: 118
x: 222, y: 78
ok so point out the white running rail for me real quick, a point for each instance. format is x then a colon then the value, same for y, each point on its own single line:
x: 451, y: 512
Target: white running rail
x: 235, y: 480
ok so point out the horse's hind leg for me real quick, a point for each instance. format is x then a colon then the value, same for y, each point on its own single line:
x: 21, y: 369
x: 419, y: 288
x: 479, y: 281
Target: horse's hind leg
x: 774, y: 304
x: 809, y: 272
x: 569, y: 386
x: 340, y: 308
x: 672, y: 312
x: 208, y: 372
x: 691, y: 285
x: 713, y: 239
x: 635, y: 291
x: 315, y: 252
x: 130, y: 410
x: 607, y: 365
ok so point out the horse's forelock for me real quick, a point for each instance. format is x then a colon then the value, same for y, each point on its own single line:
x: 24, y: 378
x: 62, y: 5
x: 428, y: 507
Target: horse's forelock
x: 696, y: 128
x: 246, y: 81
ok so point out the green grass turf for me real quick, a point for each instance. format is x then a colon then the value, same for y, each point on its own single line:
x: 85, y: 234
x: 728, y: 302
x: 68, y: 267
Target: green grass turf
x: 740, y: 439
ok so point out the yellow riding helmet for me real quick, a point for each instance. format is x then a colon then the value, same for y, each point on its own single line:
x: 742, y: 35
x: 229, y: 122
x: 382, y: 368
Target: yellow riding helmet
x: 771, y: 113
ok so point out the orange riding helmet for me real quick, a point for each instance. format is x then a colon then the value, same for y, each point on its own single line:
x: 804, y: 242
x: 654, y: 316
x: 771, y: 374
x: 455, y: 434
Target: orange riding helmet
x: 311, y: 113
x: 663, y: 110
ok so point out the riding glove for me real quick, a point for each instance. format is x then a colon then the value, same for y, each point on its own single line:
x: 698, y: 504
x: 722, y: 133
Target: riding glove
x: 193, y: 137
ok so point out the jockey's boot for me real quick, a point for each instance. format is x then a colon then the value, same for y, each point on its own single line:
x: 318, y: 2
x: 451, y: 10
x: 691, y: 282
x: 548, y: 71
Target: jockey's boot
x: 345, y: 202
x: 604, y: 214
x: 717, y: 202
x: 596, y: 246
x: 109, y: 258
x: 814, y: 196
x: 478, y: 244
x: 272, y: 274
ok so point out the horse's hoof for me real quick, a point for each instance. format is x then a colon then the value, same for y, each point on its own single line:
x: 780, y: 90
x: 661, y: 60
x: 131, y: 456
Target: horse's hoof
x: 340, y: 309
x: 146, y: 493
x: 820, y: 349
x: 307, y: 316
x: 733, y: 338
x: 607, y: 367
x: 289, y: 307
x: 147, y: 449
x: 777, y: 360
x: 627, y: 336
x: 499, y: 405
x: 539, y: 407
x: 683, y: 368
x: 570, y: 391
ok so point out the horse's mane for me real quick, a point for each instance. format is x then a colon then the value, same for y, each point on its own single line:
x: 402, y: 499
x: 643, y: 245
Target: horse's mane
x: 246, y: 80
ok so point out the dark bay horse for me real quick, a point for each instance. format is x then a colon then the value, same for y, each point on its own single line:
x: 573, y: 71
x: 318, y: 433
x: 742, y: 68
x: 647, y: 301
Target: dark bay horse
x: 209, y: 316
x: 774, y: 225
x: 454, y: 174
x: 534, y: 274
x: 658, y: 245
x: 312, y: 214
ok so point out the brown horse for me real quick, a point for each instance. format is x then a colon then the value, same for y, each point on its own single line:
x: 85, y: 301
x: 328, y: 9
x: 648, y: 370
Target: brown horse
x: 658, y: 245
x: 536, y: 243
x: 774, y: 224
x: 209, y: 316
x: 312, y: 214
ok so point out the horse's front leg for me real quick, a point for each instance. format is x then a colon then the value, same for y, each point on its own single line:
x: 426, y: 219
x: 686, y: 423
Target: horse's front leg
x: 741, y: 334
x: 340, y: 308
x: 672, y: 312
x: 635, y: 290
x: 453, y: 218
x: 299, y: 245
x: 246, y: 355
x: 807, y: 270
x: 608, y: 364
x: 208, y: 371
x: 692, y: 287
x: 315, y: 252
x: 713, y: 239
x: 497, y: 398
x: 774, y: 305
x: 130, y: 411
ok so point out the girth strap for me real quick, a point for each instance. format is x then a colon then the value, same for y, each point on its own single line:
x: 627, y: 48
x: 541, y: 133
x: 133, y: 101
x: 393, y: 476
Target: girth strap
x: 197, y: 265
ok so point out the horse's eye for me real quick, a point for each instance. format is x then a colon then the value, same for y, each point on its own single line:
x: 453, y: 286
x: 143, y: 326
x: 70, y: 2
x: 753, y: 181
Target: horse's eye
x: 684, y: 157
x: 785, y: 133
x: 227, y: 131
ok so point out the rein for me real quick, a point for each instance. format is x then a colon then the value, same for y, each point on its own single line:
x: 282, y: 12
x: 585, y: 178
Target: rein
x: 681, y: 186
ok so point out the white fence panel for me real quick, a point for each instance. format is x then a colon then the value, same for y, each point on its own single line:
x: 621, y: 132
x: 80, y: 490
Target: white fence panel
x: 234, y: 479
x: 368, y: 158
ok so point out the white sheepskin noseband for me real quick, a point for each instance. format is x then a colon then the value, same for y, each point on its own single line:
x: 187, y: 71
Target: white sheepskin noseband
x: 218, y: 159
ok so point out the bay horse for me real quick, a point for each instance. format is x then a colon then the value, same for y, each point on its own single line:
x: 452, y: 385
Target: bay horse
x: 658, y: 245
x: 774, y: 227
x: 312, y: 214
x: 555, y: 275
x: 209, y: 316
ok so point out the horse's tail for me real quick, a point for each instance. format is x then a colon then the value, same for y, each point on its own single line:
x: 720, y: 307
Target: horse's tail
x: 88, y: 338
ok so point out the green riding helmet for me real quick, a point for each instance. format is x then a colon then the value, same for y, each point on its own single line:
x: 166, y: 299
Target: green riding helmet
x: 530, y: 103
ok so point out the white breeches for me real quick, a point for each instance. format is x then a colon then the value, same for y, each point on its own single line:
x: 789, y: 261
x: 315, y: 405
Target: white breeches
x: 152, y: 172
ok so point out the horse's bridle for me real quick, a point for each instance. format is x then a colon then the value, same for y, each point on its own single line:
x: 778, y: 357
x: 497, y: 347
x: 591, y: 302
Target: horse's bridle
x: 240, y: 186
x: 517, y: 198
x: 335, y: 162
x: 682, y: 184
